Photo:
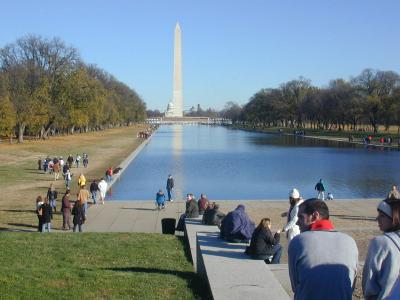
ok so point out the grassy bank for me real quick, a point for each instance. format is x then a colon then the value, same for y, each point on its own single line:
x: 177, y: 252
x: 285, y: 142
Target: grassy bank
x: 95, y: 266
x: 21, y: 181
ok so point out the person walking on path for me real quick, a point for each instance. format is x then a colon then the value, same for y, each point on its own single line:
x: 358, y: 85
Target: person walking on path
x: 81, y: 180
x: 66, y: 211
x: 56, y: 170
x: 39, y: 212
x: 68, y: 178
x: 79, y: 215
x: 103, y: 190
x: 160, y: 199
x: 320, y: 188
x: 170, y: 186
x: 382, y: 265
x: 291, y: 228
x: 85, y: 160
x: 47, y: 215
x: 109, y: 174
x: 94, y: 188
x: 322, y: 261
x: 77, y: 160
x: 83, y: 197
x: 263, y: 244
x: 70, y: 160
x: 52, y: 196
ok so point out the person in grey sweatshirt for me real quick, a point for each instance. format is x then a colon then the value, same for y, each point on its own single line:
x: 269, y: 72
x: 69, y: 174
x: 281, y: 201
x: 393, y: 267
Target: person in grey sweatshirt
x: 322, y: 261
x: 382, y: 265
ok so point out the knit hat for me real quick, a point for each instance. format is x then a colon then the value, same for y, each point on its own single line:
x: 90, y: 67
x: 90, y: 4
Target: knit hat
x: 294, y: 193
x: 385, y: 208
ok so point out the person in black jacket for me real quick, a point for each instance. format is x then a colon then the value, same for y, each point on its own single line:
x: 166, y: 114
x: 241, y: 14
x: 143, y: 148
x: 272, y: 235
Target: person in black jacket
x: 192, y: 211
x: 263, y: 244
x: 79, y: 215
x: 47, y: 215
x: 212, y: 215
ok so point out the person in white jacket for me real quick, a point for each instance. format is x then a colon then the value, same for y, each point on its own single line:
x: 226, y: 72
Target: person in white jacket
x: 291, y: 228
x: 103, y: 189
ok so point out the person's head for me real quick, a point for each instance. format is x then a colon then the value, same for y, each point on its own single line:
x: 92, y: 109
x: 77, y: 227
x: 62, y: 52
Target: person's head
x: 39, y: 199
x: 203, y: 196
x: 240, y: 207
x: 310, y: 211
x: 189, y: 197
x: 169, y: 176
x: 160, y: 191
x: 67, y: 192
x: 46, y: 200
x: 389, y: 214
x: 52, y: 187
x: 214, y: 205
x: 264, y: 223
x: 294, y: 196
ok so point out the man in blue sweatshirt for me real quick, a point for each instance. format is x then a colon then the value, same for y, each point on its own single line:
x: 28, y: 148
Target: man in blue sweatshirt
x: 322, y: 261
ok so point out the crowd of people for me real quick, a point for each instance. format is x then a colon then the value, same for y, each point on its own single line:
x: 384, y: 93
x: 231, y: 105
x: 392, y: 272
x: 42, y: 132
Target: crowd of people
x: 323, y: 262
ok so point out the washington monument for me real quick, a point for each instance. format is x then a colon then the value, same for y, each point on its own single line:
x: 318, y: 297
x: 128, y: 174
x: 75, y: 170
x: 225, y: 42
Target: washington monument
x: 175, y: 109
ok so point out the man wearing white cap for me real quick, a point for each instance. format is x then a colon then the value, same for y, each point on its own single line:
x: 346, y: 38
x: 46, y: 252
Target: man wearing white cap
x: 382, y: 265
x: 291, y: 228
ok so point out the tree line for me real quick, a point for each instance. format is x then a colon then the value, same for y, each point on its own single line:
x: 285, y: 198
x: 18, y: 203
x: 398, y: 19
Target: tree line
x: 371, y: 98
x: 46, y: 88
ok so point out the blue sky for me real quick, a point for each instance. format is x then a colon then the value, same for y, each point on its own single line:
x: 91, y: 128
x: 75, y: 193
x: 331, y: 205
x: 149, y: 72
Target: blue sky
x: 231, y: 49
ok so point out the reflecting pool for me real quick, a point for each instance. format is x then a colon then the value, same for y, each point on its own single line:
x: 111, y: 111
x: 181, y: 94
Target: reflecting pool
x: 228, y: 164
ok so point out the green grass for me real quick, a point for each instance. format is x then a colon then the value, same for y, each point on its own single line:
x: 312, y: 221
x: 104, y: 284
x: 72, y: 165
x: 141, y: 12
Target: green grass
x: 95, y: 266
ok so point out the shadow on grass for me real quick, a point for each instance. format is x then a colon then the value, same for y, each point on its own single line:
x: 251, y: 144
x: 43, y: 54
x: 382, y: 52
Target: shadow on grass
x: 23, y: 225
x: 359, y: 218
x: 19, y: 210
x: 198, y: 285
x: 134, y: 208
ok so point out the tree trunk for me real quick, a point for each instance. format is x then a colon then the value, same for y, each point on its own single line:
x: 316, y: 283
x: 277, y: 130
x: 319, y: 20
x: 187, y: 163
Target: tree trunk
x: 21, y: 130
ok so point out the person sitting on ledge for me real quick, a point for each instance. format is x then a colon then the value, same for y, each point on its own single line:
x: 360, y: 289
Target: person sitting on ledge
x: 203, y: 203
x: 192, y: 211
x: 263, y: 244
x: 212, y: 215
x: 237, y: 227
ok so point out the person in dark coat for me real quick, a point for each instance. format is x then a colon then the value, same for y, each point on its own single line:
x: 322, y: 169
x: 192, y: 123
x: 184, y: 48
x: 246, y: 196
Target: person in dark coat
x: 203, y: 204
x: 170, y: 186
x: 263, y: 244
x: 192, y: 211
x: 237, y: 227
x: 212, y: 215
x: 66, y: 211
x: 47, y: 215
x: 79, y: 215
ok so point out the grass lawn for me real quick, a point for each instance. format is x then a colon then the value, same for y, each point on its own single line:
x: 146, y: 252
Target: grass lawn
x: 95, y: 266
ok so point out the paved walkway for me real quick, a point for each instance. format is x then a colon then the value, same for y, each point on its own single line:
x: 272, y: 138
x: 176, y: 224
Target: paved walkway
x: 130, y: 216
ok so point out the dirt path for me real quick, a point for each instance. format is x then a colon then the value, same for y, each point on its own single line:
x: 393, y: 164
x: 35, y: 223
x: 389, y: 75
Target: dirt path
x: 21, y: 181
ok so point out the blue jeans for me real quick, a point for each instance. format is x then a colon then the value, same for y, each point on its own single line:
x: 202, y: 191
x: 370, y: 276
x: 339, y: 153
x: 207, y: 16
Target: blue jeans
x: 276, y: 255
x: 169, y: 194
x: 94, y: 196
x: 47, y: 226
x: 53, y: 204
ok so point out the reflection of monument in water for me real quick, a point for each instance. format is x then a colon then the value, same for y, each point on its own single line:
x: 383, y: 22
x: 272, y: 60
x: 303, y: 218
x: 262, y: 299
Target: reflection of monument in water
x: 175, y: 108
x: 177, y: 166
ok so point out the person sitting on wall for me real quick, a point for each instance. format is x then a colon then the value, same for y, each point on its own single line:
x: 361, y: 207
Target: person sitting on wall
x: 203, y: 203
x: 263, y: 244
x: 192, y: 211
x: 212, y: 215
x: 237, y: 227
